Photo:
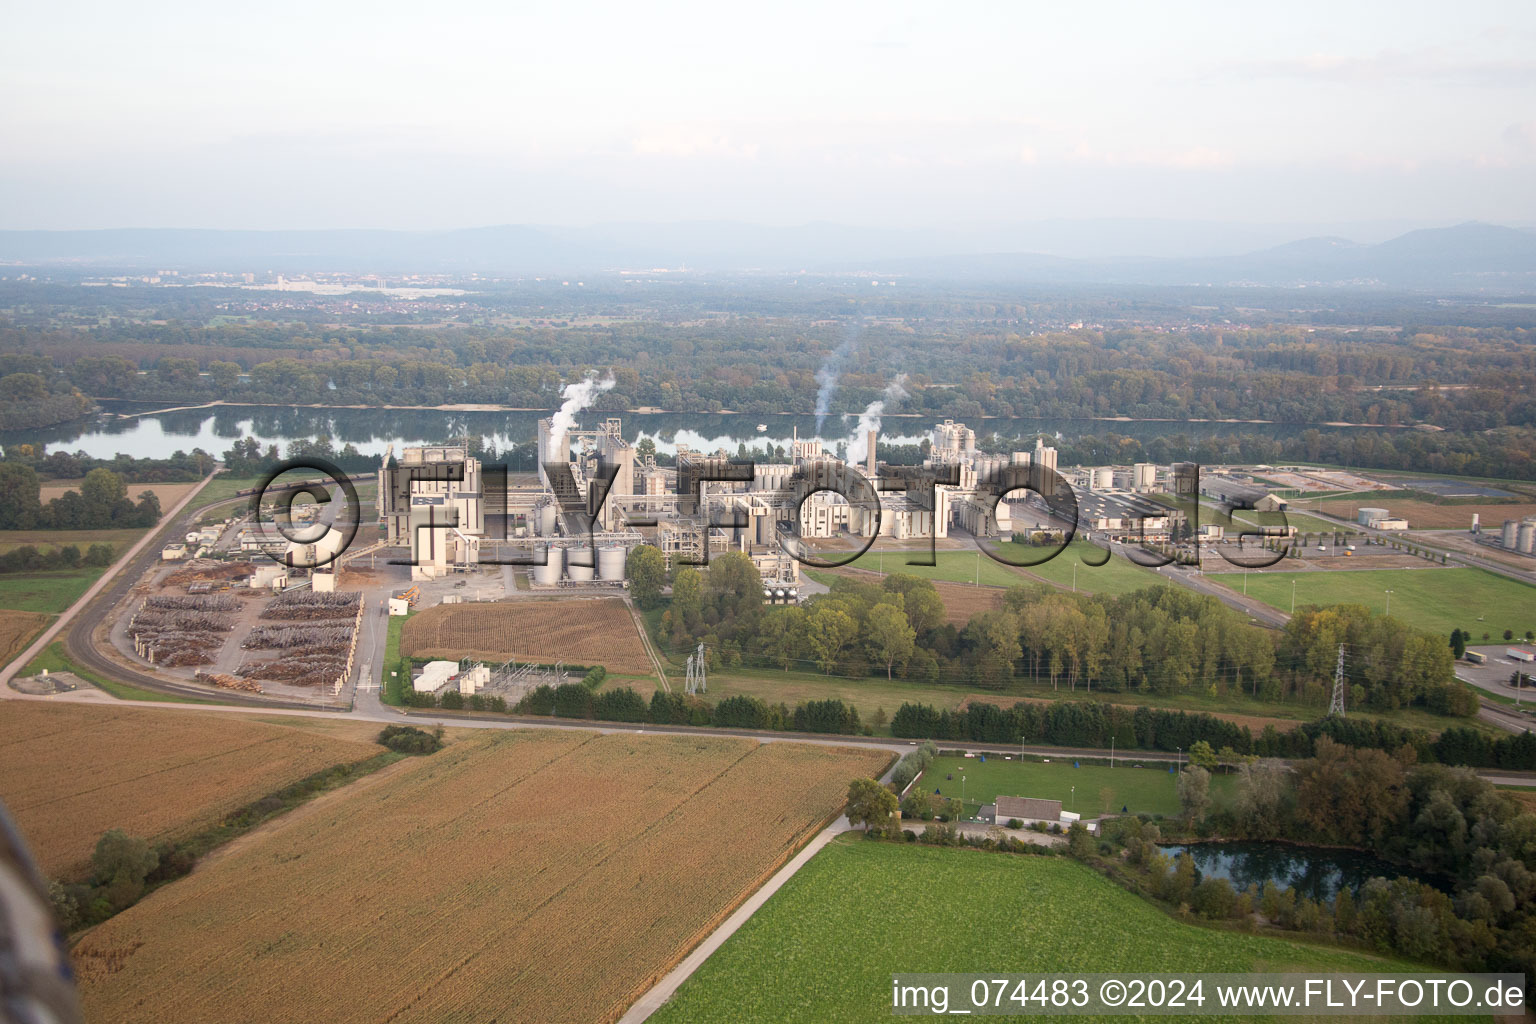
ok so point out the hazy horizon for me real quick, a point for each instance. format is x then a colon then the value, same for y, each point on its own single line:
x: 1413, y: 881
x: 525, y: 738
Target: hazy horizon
x: 896, y: 116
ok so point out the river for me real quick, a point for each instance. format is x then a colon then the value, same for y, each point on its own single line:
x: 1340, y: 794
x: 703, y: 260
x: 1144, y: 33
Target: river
x: 372, y: 430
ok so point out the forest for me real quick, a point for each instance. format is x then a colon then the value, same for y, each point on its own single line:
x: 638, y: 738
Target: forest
x: 1159, y: 640
x: 1473, y: 384
x: 1466, y: 897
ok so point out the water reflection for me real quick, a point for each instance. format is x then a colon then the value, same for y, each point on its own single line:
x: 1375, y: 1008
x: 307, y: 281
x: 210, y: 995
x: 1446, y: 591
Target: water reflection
x: 1315, y: 872
x: 372, y: 430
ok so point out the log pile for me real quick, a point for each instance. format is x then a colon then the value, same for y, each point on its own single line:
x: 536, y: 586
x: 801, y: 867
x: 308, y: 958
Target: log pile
x: 204, y: 569
x: 316, y: 633
x: 306, y: 605
x: 229, y: 682
x: 308, y: 668
x: 171, y: 630
x: 289, y: 637
x: 193, y: 602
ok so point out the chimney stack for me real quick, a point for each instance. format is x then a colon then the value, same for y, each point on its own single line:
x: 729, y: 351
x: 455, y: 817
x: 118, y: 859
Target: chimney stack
x: 869, y: 467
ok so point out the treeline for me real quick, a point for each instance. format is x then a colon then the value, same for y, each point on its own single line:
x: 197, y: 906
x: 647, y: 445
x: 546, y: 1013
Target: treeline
x: 180, y: 467
x: 1161, y: 640
x: 100, y: 503
x: 35, y: 394
x: 1070, y: 723
x: 571, y: 700
x: 624, y: 704
x: 29, y: 559
x: 755, y: 366
x: 1508, y: 452
x: 1433, y: 821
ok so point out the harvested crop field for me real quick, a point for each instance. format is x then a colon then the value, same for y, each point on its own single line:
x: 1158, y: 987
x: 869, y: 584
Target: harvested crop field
x: 961, y: 602
x: 521, y: 876
x: 16, y: 630
x: 593, y: 631
x: 70, y: 772
x: 1426, y: 515
x: 169, y: 494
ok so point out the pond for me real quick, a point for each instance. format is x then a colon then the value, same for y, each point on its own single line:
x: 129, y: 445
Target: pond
x: 1313, y: 871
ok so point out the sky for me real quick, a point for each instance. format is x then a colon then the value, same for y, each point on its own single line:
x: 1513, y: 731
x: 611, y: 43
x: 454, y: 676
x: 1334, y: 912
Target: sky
x: 418, y: 116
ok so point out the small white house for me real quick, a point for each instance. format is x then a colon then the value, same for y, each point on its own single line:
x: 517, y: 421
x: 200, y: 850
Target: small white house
x: 399, y: 606
x: 174, y: 552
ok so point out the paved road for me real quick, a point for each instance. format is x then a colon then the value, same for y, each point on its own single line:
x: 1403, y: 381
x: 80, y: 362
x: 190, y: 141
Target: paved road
x: 134, y: 555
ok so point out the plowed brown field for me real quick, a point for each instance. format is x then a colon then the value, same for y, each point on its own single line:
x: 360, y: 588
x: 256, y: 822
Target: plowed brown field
x: 16, y: 629
x: 523, y: 876
x: 592, y: 631
x: 69, y: 772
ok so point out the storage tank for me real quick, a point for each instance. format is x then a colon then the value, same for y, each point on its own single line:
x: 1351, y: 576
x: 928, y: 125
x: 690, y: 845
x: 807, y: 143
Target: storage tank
x: 574, y: 556
x: 610, y: 562
x: 548, y: 574
x: 1102, y: 479
x: 1526, y: 544
x: 546, y: 520
x: 1508, y: 536
x: 1364, y: 515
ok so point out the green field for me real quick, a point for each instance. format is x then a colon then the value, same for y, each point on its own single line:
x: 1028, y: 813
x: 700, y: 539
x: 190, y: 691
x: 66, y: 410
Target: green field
x: 1211, y: 514
x: 1436, y: 600
x: 45, y: 591
x: 1117, y: 576
x: 1149, y: 790
x: 825, y: 946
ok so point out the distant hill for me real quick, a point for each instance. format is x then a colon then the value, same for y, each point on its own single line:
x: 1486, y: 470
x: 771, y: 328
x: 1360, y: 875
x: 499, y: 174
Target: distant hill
x: 1470, y: 257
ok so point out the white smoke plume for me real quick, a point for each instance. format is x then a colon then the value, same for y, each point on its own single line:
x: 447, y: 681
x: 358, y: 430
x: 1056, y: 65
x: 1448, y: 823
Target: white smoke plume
x: 577, y: 397
x: 830, y: 371
x: 869, y: 419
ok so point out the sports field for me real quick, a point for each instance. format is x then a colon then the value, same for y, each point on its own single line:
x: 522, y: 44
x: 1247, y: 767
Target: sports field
x: 1118, y: 576
x: 69, y: 772
x: 825, y: 946
x: 1090, y: 790
x: 548, y: 876
x: 1435, y: 600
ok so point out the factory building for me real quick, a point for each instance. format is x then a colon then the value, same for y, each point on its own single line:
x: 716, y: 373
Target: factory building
x: 432, y: 501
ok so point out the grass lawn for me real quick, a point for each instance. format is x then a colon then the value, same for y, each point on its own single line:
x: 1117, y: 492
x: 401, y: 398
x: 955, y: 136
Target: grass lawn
x: 867, y: 695
x: 872, y: 694
x: 1150, y: 790
x: 1117, y: 576
x: 45, y: 591
x: 1435, y: 600
x: 223, y: 487
x: 824, y: 947
x: 54, y: 659
x: 393, y: 686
